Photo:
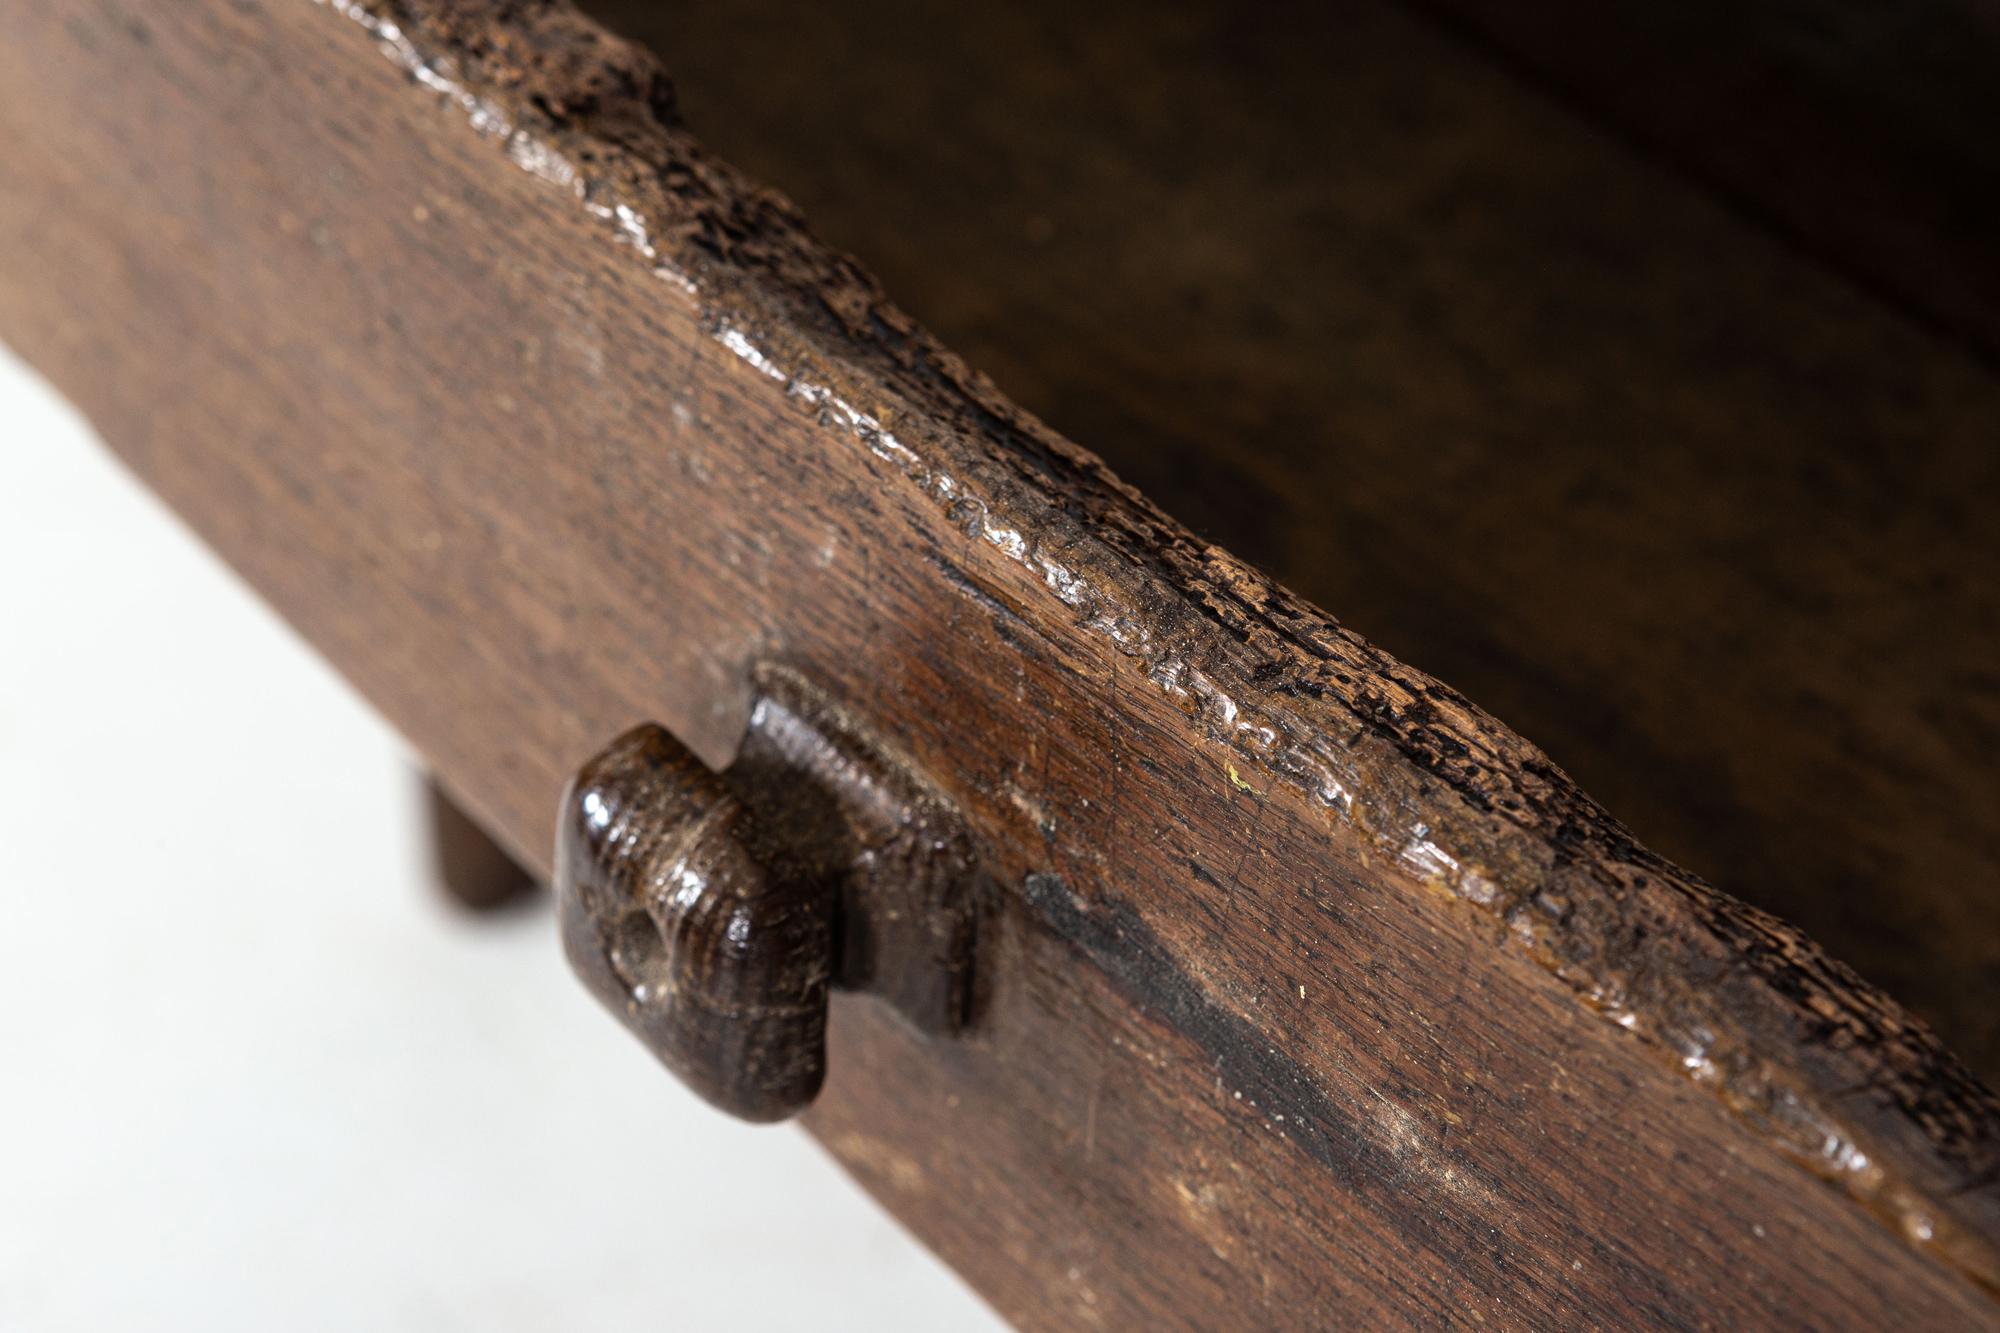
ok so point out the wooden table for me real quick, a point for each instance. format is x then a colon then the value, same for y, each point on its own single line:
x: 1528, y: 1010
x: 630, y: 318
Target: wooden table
x: 1634, y: 372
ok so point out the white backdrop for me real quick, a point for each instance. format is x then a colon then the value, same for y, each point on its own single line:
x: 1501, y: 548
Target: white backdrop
x: 253, y: 1073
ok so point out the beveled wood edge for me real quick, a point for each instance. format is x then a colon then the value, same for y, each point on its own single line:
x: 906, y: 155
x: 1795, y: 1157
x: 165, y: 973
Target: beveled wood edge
x: 1811, y: 1059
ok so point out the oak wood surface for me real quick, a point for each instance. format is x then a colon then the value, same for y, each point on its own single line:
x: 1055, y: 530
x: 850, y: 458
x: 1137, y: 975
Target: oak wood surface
x: 1316, y: 995
x: 1703, y: 519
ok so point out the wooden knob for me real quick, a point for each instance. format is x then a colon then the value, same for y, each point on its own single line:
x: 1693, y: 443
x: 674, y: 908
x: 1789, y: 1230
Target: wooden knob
x: 712, y: 913
x: 704, y: 935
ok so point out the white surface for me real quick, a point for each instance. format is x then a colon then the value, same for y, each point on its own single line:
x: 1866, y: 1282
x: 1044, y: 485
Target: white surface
x: 253, y: 1074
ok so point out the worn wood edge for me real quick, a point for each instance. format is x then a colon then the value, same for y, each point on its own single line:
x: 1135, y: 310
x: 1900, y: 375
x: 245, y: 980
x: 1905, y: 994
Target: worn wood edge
x: 1811, y: 1059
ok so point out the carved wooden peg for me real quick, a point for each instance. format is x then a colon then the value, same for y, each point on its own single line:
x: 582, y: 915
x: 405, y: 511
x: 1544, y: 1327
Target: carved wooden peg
x: 715, y: 952
x: 713, y: 912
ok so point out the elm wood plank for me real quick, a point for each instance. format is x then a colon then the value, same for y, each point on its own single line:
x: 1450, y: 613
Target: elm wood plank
x: 1704, y: 521
x: 527, y: 482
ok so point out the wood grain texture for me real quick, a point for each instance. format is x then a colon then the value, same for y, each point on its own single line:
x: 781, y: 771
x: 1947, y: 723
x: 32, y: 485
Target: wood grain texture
x: 710, y: 940
x: 1699, y: 518
x: 1321, y: 997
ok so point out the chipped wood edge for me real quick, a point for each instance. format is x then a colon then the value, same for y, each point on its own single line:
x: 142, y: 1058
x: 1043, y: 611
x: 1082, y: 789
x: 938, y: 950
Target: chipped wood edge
x: 1811, y: 1059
